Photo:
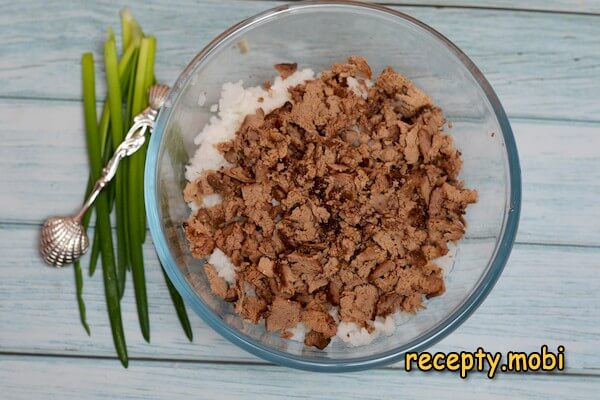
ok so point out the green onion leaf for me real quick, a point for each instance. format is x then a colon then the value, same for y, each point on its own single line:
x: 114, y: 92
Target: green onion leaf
x: 179, y: 307
x: 115, y: 103
x: 135, y: 199
x: 80, y: 301
x: 102, y: 211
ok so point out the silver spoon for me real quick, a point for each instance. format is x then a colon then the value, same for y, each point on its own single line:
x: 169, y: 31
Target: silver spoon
x: 63, y: 240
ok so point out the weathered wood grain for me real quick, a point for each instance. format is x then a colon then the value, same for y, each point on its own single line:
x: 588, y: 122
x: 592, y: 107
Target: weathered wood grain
x: 554, y: 73
x: 547, y: 295
x: 543, y: 65
x: 560, y: 165
x: 565, y: 6
x: 51, y: 378
x: 560, y: 169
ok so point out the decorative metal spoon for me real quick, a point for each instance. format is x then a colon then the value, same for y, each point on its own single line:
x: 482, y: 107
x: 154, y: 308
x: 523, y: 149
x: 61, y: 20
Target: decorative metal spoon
x: 63, y: 240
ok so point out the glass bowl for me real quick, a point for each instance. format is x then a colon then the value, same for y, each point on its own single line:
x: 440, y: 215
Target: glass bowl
x: 316, y: 35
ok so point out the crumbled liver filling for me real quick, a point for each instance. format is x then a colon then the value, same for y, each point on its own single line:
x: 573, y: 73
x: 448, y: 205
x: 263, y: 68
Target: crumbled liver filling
x: 334, y: 200
x: 217, y: 284
x: 319, y: 321
x: 283, y: 313
x: 286, y: 69
x: 316, y: 339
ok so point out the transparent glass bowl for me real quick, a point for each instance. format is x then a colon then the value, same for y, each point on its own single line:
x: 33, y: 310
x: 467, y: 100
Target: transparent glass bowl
x: 316, y: 35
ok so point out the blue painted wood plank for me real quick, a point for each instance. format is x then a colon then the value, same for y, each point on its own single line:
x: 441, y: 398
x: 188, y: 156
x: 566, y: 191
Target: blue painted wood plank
x: 547, y: 295
x: 566, y: 6
x: 52, y: 378
x: 559, y: 163
x: 553, y: 74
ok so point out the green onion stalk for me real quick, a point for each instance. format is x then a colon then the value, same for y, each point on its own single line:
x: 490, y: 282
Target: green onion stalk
x: 128, y: 79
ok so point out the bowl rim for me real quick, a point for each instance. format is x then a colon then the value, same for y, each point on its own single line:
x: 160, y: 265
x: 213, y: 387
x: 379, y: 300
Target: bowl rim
x: 444, y: 327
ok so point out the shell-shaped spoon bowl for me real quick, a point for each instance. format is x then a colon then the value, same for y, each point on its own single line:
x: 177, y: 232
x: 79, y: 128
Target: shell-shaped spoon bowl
x: 157, y: 95
x: 63, y: 240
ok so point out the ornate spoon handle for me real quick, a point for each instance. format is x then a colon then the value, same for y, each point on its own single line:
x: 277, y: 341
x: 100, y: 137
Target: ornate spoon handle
x: 134, y: 140
x: 63, y: 239
x: 136, y: 136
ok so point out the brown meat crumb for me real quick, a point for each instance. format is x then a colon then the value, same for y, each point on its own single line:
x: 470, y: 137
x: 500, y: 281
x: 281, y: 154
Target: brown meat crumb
x: 265, y: 266
x: 218, y: 284
x: 283, y: 314
x: 359, y: 304
x: 316, y: 339
x: 320, y: 321
x: 286, y: 69
x: 333, y: 200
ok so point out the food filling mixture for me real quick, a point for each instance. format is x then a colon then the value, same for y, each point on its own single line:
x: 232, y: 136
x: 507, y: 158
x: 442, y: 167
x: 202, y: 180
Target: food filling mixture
x: 321, y: 203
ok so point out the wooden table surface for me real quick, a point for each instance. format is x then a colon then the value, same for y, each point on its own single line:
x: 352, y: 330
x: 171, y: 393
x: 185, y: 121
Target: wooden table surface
x: 542, y: 58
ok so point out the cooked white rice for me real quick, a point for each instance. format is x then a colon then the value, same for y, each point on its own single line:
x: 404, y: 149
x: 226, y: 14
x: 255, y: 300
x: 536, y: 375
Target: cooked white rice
x: 223, y: 265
